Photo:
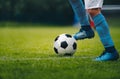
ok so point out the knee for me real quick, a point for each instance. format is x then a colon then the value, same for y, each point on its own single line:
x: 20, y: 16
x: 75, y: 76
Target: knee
x: 94, y: 12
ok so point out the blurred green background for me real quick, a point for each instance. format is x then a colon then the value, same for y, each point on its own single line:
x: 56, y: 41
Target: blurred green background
x: 43, y: 11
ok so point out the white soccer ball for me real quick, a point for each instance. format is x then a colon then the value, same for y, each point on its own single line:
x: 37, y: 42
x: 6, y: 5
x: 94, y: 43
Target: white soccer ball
x: 65, y: 45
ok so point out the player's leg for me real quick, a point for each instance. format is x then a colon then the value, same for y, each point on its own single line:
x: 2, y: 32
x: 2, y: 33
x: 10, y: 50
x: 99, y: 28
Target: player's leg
x: 102, y: 29
x: 79, y: 10
x: 76, y: 22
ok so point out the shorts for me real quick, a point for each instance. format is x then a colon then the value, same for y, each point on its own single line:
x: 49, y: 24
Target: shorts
x: 89, y: 4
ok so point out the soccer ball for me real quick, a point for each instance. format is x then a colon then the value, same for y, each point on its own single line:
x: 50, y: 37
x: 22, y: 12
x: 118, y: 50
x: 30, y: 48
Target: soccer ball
x: 65, y: 45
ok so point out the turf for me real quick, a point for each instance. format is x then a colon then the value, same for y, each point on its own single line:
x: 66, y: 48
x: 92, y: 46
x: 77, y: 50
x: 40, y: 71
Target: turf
x: 27, y: 53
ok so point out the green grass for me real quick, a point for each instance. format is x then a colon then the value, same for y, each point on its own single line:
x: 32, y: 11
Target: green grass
x: 27, y: 53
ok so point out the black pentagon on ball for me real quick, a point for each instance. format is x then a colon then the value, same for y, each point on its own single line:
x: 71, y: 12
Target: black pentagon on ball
x: 56, y: 51
x: 64, y: 44
x: 74, y: 45
x: 68, y: 35
x: 56, y: 38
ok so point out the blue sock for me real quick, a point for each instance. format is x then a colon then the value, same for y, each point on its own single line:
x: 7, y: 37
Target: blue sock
x: 80, y: 11
x: 103, y: 30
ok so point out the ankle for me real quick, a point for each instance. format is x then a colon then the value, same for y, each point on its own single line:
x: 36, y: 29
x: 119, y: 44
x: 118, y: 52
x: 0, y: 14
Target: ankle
x: 87, y: 27
x: 110, y: 49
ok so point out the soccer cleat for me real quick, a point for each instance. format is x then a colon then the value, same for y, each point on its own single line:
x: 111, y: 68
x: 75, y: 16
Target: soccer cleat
x: 82, y: 34
x: 108, y: 56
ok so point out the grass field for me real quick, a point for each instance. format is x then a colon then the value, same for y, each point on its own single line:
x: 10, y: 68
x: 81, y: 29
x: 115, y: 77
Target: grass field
x: 27, y: 53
